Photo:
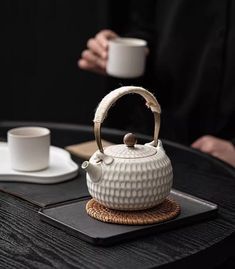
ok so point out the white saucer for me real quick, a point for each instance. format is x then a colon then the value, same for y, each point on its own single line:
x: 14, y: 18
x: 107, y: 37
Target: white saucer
x: 61, y: 168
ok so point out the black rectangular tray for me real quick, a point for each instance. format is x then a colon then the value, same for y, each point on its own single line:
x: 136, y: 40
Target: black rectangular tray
x: 72, y: 218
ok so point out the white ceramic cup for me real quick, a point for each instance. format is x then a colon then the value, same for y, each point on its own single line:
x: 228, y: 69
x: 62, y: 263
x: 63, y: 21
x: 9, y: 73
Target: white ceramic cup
x: 126, y: 57
x: 29, y: 148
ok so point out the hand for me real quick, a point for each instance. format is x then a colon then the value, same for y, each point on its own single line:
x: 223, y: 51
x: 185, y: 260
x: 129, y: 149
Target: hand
x: 220, y: 148
x: 94, y: 58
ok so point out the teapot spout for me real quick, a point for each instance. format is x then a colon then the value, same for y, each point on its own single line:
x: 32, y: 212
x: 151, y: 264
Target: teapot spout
x: 93, y: 170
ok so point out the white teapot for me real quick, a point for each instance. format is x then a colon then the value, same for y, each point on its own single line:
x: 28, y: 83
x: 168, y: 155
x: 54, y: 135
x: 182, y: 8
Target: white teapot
x: 128, y: 176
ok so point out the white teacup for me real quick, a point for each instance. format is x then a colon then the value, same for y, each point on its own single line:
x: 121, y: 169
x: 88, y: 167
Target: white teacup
x: 127, y: 57
x: 29, y: 148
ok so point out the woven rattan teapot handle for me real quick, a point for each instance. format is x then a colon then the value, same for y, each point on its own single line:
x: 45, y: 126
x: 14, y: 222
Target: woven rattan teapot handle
x: 112, y: 97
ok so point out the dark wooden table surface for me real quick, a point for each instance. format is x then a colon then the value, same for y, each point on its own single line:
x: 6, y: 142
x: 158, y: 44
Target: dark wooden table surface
x: 26, y: 242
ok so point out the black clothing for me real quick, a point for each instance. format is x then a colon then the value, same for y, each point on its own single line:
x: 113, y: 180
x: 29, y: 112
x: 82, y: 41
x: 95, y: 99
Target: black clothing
x: 191, y: 65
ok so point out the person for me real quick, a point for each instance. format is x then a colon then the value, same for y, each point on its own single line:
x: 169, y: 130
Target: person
x: 190, y: 66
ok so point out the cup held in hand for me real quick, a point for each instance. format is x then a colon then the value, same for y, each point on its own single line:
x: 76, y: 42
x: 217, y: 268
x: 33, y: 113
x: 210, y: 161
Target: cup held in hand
x: 127, y: 57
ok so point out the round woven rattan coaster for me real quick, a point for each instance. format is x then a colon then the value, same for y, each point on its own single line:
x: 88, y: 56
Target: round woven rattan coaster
x: 167, y: 210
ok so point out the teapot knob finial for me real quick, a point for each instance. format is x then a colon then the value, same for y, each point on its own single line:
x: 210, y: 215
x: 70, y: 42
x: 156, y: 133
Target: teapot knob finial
x: 130, y: 140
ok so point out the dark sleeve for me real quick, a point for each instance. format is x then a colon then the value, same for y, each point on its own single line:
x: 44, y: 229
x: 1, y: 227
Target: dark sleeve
x: 141, y: 23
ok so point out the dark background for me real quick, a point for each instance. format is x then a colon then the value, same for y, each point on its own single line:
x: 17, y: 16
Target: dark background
x: 40, y: 81
x: 42, y: 41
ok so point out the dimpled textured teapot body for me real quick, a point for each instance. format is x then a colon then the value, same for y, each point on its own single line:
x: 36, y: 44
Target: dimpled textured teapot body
x: 131, y: 183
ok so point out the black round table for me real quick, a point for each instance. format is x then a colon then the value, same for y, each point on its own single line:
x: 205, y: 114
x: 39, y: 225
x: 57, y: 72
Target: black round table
x: 27, y: 242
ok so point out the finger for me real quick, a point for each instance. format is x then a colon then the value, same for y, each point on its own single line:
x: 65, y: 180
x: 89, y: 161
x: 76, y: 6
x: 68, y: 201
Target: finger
x: 89, y: 56
x: 201, y: 141
x: 197, y: 144
x: 85, y: 65
x: 93, y: 59
x: 204, y: 144
x: 96, y: 47
x: 207, y: 144
x: 104, y: 36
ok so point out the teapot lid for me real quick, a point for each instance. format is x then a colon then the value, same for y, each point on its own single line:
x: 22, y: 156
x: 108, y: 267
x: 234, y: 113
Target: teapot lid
x: 130, y: 150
